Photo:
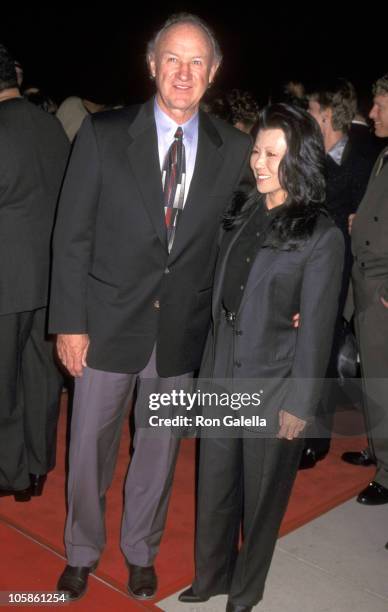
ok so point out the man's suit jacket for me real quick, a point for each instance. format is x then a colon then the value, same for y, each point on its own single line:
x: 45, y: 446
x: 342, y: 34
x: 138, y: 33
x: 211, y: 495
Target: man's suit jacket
x: 345, y: 188
x: 266, y: 346
x: 346, y: 183
x: 33, y: 153
x: 113, y: 277
x: 369, y: 233
x: 370, y: 283
x: 363, y: 138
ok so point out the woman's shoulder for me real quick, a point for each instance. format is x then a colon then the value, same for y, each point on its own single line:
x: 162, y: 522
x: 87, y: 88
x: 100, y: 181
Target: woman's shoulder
x: 327, y: 231
x: 300, y: 228
x: 293, y: 227
x: 325, y: 224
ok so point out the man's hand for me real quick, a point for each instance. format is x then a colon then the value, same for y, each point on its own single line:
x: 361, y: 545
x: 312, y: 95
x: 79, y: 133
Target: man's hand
x: 350, y: 222
x: 296, y: 320
x: 72, y: 350
x: 290, y: 425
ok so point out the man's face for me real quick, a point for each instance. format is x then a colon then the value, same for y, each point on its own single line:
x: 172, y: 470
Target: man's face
x: 379, y: 114
x: 183, y: 66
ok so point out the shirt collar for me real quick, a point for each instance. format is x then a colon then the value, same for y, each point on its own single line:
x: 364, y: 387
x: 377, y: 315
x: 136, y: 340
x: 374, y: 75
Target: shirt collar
x: 168, y: 126
x: 336, y: 152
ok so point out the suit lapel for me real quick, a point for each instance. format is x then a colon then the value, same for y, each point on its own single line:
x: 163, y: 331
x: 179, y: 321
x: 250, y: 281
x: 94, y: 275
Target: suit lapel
x: 144, y: 162
x: 208, y: 164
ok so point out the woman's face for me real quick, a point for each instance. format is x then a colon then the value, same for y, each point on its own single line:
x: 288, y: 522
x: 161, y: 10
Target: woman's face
x: 268, y: 151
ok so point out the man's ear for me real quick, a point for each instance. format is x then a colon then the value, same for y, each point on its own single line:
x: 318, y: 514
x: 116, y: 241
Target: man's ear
x: 327, y: 115
x: 151, y: 65
x: 212, y: 73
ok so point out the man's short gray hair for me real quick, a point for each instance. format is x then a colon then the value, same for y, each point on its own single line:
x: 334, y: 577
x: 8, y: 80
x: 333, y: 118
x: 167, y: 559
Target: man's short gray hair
x: 380, y: 88
x: 186, y: 18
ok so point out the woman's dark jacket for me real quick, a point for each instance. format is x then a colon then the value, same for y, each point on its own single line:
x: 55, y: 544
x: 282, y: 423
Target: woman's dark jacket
x: 297, y: 270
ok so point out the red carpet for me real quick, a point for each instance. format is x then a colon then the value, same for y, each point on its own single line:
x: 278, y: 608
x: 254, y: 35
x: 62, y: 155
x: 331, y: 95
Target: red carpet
x: 29, y: 567
x: 24, y: 564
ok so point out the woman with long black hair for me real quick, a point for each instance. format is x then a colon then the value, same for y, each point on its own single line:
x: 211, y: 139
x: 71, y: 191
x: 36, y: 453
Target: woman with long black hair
x: 280, y: 255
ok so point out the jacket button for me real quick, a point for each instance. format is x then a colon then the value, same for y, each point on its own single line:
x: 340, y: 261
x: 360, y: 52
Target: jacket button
x: 157, y: 304
x: 167, y: 271
x: 362, y: 265
x: 367, y: 242
x: 237, y: 364
x: 375, y: 218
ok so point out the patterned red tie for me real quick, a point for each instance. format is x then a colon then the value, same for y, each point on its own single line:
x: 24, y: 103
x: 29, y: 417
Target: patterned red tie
x: 173, y: 178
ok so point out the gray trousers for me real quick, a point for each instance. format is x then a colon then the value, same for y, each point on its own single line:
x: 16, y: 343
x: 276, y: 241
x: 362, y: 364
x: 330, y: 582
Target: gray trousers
x: 100, y: 406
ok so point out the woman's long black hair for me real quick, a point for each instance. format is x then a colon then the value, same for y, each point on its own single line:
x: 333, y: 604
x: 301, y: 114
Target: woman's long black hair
x: 301, y: 171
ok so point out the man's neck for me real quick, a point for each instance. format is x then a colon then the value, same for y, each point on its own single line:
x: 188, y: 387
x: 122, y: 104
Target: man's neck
x: 8, y: 94
x: 180, y: 116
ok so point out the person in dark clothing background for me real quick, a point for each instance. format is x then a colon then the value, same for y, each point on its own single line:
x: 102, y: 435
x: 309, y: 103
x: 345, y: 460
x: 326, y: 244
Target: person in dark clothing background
x: 33, y: 153
x: 348, y: 167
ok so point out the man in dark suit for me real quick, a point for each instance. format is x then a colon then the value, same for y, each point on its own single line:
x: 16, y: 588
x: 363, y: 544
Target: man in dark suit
x: 369, y: 227
x: 33, y: 154
x: 348, y: 167
x: 131, y: 289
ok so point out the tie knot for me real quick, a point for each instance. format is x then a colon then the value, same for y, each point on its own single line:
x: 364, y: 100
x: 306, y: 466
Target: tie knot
x: 179, y: 133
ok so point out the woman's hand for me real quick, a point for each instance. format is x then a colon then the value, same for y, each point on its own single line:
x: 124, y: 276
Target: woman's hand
x: 290, y: 425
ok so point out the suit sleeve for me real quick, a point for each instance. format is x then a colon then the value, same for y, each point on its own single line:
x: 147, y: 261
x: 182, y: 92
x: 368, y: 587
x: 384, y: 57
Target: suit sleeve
x: 318, y: 312
x: 73, y: 236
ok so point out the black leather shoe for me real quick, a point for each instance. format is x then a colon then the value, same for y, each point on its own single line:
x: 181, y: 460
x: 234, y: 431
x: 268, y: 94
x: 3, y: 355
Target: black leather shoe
x: 373, y: 495
x: 73, y: 581
x: 310, y: 458
x: 20, y: 496
x: 143, y: 582
x: 231, y: 607
x: 188, y: 596
x: 37, y: 484
x: 362, y: 458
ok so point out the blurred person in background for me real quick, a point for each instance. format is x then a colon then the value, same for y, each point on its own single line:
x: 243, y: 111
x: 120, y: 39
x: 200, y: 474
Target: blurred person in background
x: 348, y: 165
x: 33, y: 152
x: 369, y: 228
x: 244, y: 109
